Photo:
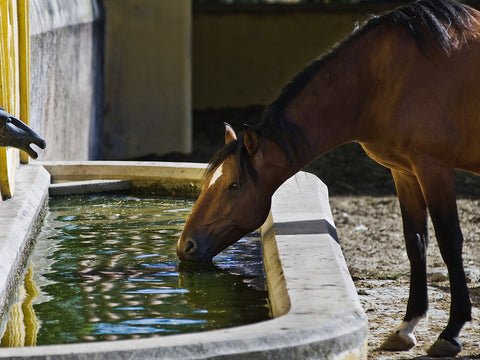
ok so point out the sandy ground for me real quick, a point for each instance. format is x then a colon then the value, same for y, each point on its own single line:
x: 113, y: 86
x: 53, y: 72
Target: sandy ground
x: 369, y: 226
x: 370, y: 232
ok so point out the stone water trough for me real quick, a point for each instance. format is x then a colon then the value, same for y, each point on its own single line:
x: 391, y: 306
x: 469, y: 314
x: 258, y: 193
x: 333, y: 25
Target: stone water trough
x: 317, y: 314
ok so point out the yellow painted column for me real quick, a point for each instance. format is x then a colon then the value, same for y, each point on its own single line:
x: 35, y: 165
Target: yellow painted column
x: 24, y: 65
x: 14, y: 80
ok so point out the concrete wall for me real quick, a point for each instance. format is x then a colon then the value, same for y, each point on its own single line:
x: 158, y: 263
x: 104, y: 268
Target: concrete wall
x: 147, y: 77
x: 66, y: 77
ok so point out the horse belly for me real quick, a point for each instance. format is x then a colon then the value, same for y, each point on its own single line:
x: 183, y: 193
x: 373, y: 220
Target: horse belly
x: 470, y: 161
x: 438, y: 118
x: 388, y: 156
x: 468, y: 120
x: 463, y: 106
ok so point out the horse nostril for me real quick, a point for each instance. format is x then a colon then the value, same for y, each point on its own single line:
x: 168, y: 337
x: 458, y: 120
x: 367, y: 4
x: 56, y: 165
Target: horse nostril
x: 191, y: 246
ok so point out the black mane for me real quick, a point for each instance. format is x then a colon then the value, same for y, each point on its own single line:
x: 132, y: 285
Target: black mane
x: 442, y: 20
x: 439, y: 18
x: 238, y: 149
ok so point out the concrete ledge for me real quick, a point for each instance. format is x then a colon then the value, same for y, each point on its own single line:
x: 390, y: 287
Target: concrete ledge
x: 308, y: 280
x: 89, y: 187
x: 319, y: 314
x: 137, y: 171
x: 19, y: 218
x: 179, y: 179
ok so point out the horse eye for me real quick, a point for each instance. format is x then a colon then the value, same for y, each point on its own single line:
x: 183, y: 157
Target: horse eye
x: 233, y: 186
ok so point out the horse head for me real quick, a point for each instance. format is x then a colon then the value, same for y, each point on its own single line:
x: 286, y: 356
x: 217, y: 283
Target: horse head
x: 15, y: 133
x: 235, y: 199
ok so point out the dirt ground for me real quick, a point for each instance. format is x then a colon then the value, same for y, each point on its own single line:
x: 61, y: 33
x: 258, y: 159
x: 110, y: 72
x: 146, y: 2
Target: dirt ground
x: 368, y: 221
x: 370, y: 231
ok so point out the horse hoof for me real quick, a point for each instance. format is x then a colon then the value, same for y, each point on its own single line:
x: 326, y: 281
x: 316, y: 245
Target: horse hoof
x: 398, y: 341
x: 445, y: 348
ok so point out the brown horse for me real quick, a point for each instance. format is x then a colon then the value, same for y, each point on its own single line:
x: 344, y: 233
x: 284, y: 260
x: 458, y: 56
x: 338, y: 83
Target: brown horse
x: 406, y: 86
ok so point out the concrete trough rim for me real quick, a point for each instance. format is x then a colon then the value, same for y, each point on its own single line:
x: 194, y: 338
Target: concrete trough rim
x: 320, y: 315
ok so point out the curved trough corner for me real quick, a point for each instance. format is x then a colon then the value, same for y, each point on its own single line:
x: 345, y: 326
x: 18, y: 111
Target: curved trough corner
x: 316, y: 308
x: 308, y: 280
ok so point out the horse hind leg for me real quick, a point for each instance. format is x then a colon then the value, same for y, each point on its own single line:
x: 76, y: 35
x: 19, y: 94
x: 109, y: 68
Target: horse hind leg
x: 438, y: 187
x: 414, y: 215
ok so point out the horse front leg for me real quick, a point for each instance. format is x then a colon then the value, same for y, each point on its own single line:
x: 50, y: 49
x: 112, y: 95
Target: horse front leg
x: 414, y: 215
x: 438, y: 187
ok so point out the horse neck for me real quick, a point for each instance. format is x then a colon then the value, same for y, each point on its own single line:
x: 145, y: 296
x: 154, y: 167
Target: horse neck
x: 329, y: 109
x: 332, y: 107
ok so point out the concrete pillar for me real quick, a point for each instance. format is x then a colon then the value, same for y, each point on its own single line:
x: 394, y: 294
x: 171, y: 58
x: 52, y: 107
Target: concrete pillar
x: 66, y: 54
x: 147, y: 78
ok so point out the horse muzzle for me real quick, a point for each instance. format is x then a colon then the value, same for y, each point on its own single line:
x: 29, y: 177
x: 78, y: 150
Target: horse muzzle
x: 189, y: 250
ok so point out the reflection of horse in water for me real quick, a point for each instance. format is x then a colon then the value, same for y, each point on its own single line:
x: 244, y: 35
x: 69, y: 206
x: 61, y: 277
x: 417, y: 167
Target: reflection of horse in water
x: 406, y: 86
x: 223, y: 295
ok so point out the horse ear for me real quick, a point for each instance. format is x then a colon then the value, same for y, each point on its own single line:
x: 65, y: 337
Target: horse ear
x: 229, y: 134
x: 250, y: 139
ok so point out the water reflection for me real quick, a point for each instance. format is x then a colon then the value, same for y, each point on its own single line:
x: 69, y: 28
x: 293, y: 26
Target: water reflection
x: 22, y: 326
x: 212, y: 290
x: 106, y: 269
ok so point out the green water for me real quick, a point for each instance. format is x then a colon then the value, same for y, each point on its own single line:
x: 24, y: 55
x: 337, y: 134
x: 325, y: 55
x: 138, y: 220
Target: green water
x: 106, y: 269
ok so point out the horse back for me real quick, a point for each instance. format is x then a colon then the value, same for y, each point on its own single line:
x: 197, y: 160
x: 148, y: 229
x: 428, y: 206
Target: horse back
x: 425, y: 101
